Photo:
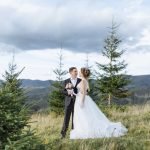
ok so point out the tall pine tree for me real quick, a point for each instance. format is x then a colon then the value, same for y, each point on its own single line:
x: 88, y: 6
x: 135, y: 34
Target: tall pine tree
x: 112, y: 80
x: 56, y: 97
x: 13, y: 114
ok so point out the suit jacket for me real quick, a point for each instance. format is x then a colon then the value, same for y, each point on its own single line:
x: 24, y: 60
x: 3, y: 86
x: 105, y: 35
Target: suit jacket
x: 69, y: 98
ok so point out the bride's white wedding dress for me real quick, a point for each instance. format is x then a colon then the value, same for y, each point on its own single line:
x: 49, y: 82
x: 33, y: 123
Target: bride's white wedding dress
x: 90, y: 121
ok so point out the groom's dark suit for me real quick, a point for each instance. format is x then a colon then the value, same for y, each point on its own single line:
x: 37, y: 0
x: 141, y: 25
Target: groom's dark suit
x: 69, y: 105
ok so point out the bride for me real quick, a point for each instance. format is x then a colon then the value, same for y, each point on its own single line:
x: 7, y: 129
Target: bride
x: 89, y: 120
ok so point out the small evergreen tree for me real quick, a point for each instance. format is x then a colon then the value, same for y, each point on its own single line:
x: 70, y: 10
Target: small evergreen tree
x: 112, y: 80
x: 13, y: 114
x: 56, y: 97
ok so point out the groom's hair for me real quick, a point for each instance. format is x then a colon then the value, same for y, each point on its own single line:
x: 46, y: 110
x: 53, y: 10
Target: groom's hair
x: 72, y: 68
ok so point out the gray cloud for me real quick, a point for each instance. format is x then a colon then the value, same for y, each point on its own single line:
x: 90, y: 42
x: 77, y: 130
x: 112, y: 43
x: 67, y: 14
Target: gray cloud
x: 79, y: 26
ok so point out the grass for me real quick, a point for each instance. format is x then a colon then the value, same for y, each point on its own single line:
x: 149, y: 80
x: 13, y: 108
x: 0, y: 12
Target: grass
x: 135, y: 118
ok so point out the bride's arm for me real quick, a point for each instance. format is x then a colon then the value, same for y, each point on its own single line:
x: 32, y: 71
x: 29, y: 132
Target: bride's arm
x: 83, y: 90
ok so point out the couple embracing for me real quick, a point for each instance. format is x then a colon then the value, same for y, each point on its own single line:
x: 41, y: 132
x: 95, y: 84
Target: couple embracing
x: 88, y: 121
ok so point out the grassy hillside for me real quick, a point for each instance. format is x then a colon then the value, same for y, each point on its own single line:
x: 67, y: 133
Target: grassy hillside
x: 135, y: 118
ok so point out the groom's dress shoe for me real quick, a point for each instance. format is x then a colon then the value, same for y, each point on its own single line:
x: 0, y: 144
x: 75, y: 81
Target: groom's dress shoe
x: 62, y: 136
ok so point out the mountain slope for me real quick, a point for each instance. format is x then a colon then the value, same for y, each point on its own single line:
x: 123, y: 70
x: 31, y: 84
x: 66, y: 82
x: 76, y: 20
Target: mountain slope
x: 37, y: 91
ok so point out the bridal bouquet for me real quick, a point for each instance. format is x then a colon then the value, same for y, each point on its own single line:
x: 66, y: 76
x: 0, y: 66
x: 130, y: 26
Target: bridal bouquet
x: 69, y: 88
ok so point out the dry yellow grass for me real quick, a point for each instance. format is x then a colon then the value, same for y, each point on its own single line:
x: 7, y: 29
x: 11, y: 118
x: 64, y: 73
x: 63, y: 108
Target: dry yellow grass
x: 135, y: 118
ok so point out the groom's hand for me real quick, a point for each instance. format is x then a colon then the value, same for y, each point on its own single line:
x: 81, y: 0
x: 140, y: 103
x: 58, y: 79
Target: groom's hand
x: 70, y: 92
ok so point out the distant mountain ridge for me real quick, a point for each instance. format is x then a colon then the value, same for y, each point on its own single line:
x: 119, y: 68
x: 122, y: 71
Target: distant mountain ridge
x: 35, y: 83
x: 140, y: 81
x: 37, y: 91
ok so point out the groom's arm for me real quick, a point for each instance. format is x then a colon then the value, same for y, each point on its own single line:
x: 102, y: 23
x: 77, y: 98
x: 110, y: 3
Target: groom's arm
x: 64, y: 91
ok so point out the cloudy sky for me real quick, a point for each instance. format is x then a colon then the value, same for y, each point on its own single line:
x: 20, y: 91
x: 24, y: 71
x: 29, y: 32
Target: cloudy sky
x: 35, y: 29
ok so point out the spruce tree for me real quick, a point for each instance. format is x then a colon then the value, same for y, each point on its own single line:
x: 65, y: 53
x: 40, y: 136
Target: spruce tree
x: 112, y: 79
x: 56, y: 97
x: 13, y: 114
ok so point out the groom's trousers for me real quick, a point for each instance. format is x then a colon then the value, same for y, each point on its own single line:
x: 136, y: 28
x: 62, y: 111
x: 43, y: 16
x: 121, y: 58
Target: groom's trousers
x: 69, y: 110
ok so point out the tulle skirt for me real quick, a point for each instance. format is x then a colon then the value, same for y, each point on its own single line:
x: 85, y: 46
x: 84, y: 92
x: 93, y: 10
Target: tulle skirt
x: 90, y: 122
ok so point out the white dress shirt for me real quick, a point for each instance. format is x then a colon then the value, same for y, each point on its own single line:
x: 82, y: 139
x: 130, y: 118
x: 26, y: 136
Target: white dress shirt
x: 73, y: 81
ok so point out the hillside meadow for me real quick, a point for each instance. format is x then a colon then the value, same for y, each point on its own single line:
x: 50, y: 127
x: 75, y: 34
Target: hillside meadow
x: 135, y: 118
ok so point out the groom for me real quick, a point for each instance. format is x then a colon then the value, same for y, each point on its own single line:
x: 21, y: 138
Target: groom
x: 70, y: 89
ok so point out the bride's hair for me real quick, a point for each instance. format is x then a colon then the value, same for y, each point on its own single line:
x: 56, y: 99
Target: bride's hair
x: 85, y: 72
